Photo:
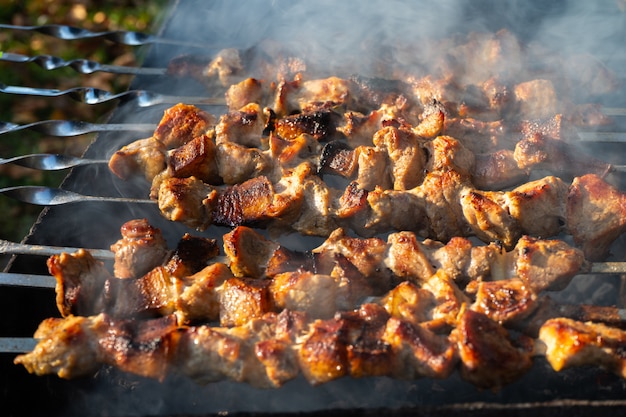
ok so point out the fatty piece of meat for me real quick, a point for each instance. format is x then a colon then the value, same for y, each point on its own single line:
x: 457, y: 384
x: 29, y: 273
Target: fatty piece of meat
x: 182, y: 123
x: 596, y: 215
x: 144, y: 156
x: 78, y: 346
x: 572, y: 343
x: 446, y: 153
x: 141, y: 248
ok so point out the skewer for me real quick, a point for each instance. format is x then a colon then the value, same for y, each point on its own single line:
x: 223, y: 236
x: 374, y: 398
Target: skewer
x: 47, y: 196
x: 129, y: 38
x: 91, y: 95
x: 50, y: 162
x: 83, y: 66
x: 12, y: 248
x: 65, y: 128
x: 17, y: 344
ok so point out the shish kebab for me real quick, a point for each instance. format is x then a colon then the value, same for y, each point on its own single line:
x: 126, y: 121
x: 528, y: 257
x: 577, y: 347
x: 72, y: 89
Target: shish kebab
x: 271, y: 350
x: 406, y: 326
x: 423, y: 282
x: 301, y: 201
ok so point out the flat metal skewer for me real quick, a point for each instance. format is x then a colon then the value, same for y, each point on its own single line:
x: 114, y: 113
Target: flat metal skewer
x: 89, y: 95
x: 83, y: 66
x: 50, y: 162
x: 130, y: 38
x: 47, y: 196
x: 67, y: 128
x: 13, y: 248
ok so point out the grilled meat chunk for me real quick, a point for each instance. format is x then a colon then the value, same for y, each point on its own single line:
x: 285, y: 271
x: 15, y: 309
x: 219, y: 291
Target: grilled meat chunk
x: 195, y: 158
x: 145, y: 156
x: 182, y: 123
x: 489, y: 357
x: 596, y: 215
x: 574, y: 343
x: 244, y: 126
x: 141, y: 248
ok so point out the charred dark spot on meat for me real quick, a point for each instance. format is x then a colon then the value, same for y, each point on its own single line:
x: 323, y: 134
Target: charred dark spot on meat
x: 337, y: 158
x: 319, y: 124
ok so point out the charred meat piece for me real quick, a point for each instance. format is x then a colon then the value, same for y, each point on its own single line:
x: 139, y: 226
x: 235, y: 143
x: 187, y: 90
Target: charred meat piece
x: 192, y: 254
x: 320, y: 125
x: 141, y: 248
x: 196, y: 158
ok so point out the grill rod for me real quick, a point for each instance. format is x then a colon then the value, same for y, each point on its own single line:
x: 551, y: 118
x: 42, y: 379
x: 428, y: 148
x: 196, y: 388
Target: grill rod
x: 90, y: 95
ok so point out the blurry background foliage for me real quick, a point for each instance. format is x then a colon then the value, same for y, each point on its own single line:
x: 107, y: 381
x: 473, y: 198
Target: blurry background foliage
x: 136, y: 15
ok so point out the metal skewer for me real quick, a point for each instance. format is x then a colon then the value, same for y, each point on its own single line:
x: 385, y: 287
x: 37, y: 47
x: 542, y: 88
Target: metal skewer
x: 50, y: 162
x: 65, y: 128
x: 130, y: 38
x: 91, y: 95
x: 83, y: 66
x: 47, y: 196
x: 12, y: 248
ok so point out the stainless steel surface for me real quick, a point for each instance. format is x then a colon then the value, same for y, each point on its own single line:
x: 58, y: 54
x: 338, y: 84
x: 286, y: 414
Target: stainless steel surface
x: 50, y: 162
x: 47, y: 196
x: 90, y: 95
x: 65, y: 128
x: 83, y: 66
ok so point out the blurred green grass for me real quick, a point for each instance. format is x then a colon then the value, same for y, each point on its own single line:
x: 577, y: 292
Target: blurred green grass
x: 136, y: 15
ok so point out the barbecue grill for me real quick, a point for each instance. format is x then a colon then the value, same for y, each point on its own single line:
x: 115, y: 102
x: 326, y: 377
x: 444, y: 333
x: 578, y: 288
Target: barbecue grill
x: 218, y: 24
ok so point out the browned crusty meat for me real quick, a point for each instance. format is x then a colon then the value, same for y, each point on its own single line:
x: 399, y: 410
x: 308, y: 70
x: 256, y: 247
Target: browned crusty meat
x: 141, y: 248
x: 182, y: 123
x: 489, y: 357
x: 198, y: 158
x: 244, y: 126
x: 144, y: 156
x: 595, y: 215
x: 574, y: 343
